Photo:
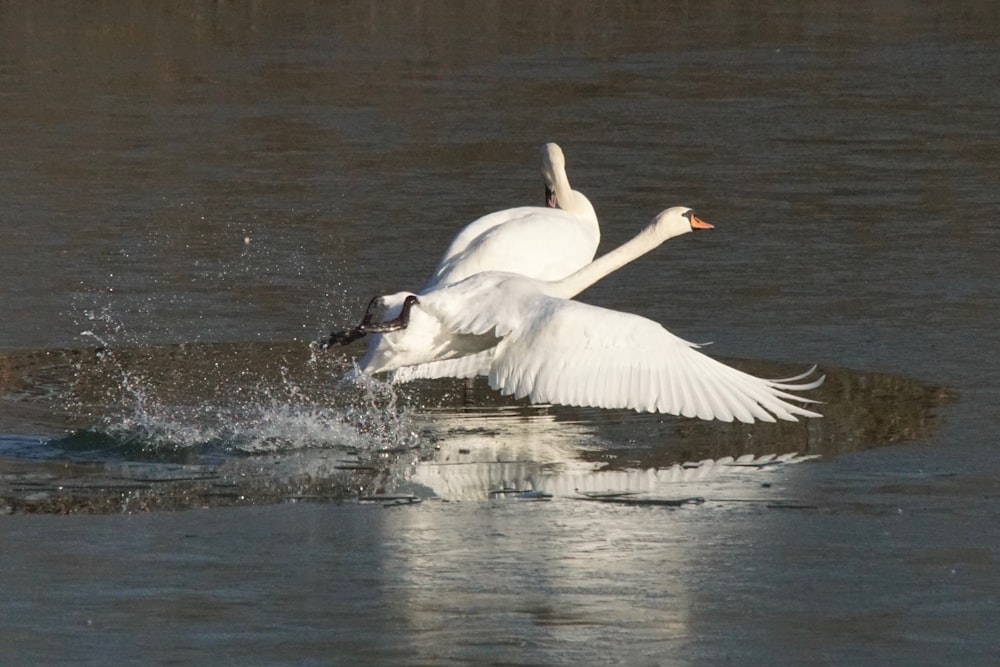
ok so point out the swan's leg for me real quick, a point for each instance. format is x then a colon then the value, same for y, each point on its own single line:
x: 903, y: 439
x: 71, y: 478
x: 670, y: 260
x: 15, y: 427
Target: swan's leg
x: 370, y: 311
x: 367, y: 326
x: 396, y: 324
x: 341, y: 338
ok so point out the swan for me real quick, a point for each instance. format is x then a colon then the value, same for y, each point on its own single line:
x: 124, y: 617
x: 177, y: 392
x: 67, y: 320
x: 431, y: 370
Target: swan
x: 551, y: 349
x: 547, y: 243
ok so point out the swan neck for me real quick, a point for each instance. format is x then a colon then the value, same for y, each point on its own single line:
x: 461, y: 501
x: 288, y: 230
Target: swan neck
x: 608, y: 263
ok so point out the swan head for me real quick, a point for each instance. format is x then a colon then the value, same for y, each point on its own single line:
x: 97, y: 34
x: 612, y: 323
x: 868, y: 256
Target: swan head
x: 554, y: 173
x: 675, y: 221
x: 553, y: 162
x: 558, y: 193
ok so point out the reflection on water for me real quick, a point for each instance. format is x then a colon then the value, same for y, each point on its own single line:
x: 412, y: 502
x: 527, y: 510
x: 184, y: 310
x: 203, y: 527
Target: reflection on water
x: 847, y: 152
x: 202, y: 425
x: 536, y: 458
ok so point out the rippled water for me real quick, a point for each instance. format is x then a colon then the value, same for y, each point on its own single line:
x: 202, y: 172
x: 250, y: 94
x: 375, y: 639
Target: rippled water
x: 190, y: 194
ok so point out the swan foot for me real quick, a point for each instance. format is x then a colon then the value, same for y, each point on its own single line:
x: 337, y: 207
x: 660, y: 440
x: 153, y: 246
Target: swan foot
x: 341, y: 338
x: 368, y: 325
x: 351, y: 335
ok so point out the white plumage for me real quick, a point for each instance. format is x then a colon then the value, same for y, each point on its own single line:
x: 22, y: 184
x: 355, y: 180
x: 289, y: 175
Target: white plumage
x: 545, y: 242
x: 531, y: 340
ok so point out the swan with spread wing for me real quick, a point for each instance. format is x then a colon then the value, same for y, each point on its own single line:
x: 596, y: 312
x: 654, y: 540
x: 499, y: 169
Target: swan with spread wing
x: 531, y: 339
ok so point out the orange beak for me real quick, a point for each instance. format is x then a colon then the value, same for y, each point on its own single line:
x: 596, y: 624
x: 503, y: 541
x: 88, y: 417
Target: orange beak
x: 698, y: 223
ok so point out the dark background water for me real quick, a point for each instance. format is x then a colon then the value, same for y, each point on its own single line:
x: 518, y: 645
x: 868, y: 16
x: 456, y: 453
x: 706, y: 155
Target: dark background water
x: 847, y: 155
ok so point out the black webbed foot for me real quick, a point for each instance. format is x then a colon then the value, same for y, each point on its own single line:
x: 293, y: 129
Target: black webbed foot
x: 341, y: 338
x: 347, y: 337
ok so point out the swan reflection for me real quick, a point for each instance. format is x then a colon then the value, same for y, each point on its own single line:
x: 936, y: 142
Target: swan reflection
x: 208, y: 425
x: 528, y: 454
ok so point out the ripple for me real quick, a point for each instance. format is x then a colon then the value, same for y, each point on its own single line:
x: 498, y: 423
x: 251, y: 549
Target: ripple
x: 273, y: 422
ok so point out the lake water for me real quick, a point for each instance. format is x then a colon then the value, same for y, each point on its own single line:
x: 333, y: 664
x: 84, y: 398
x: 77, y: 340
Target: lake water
x: 191, y: 194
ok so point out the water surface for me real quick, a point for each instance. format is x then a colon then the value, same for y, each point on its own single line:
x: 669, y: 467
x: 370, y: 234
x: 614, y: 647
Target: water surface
x: 203, y: 189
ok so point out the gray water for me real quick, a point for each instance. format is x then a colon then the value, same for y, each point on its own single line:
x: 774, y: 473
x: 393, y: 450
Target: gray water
x: 201, y: 189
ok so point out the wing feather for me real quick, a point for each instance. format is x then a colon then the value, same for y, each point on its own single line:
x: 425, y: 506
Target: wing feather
x: 462, y: 367
x: 559, y: 351
x: 577, y: 354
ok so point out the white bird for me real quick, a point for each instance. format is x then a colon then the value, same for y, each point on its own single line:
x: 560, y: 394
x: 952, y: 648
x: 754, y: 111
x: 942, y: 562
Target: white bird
x: 543, y: 242
x: 552, y: 349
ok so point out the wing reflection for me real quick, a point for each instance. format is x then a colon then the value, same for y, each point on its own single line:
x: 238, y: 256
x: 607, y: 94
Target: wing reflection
x: 515, y: 454
x: 256, y: 423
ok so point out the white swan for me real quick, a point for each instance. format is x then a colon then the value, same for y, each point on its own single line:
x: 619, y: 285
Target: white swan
x: 541, y: 242
x: 545, y: 242
x: 555, y: 350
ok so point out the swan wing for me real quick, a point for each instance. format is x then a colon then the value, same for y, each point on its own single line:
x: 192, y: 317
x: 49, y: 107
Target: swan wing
x: 468, y: 366
x: 572, y: 353
x: 491, y: 303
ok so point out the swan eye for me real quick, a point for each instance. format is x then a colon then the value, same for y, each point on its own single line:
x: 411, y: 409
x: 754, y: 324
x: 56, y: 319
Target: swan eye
x: 688, y: 214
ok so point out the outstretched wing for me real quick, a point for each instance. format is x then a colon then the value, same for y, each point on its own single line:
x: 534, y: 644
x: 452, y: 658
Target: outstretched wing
x: 468, y: 366
x: 572, y: 353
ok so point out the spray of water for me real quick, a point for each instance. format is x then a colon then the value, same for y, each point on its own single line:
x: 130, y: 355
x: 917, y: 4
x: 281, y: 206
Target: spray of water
x: 231, y: 399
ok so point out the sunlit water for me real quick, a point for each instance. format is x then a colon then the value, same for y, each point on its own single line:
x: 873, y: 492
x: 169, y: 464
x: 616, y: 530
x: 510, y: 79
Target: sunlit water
x: 189, y: 196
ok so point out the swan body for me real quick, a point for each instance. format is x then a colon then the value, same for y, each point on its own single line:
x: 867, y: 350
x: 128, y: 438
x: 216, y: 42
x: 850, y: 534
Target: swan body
x: 546, y: 242
x: 536, y: 342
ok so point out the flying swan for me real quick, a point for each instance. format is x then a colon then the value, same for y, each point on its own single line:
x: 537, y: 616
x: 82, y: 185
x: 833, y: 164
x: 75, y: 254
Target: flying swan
x: 551, y: 349
x: 545, y: 242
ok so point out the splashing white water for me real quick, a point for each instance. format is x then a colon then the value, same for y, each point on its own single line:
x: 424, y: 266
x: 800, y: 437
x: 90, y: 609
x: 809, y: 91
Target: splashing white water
x: 254, y: 413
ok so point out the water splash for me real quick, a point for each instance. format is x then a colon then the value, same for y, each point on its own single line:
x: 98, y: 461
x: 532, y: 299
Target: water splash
x: 230, y: 398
